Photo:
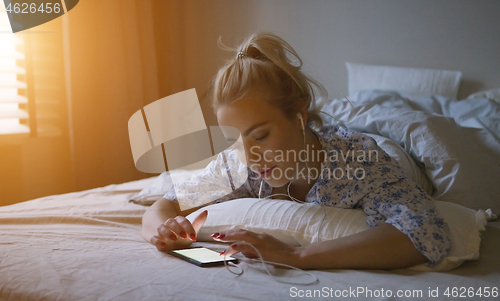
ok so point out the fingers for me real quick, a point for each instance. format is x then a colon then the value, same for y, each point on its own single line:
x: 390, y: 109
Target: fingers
x: 159, y: 243
x: 255, y: 245
x: 245, y: 249
x: 240, y: 234
x: 199, y: 221
x: 244, y: 236
x: 177, y: 228
x: 178, y: 232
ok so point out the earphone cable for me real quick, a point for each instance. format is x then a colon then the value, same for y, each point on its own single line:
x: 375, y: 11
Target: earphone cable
x: 314, y: 281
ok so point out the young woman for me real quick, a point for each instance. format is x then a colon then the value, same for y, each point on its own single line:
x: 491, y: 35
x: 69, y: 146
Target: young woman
x: 263, y: 93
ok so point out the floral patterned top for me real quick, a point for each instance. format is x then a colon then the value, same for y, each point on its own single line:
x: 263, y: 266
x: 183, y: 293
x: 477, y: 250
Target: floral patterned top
x: 356, y: 173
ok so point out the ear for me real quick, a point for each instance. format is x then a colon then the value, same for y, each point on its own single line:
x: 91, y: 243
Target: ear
x: 304, y: 113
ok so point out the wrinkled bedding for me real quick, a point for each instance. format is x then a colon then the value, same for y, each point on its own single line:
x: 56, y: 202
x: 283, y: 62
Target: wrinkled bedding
x: 458, y: 142
x: 87, y: 246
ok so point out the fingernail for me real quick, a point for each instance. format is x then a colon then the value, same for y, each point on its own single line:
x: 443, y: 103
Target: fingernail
x: 193, y: 237
x: 183, y: 234
x: 206, y: 211
x: 164, y: 244
x: 234, y: 246
x: 215, y: 234
x: 173, y: 236
x: 221, y: 236
x: 222, y: 253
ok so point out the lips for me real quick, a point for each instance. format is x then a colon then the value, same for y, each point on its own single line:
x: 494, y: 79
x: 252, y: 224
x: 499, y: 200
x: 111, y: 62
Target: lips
x: 266, y: 172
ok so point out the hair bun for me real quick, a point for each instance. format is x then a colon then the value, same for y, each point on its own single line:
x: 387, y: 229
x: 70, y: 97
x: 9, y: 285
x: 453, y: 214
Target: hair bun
x: 266, y: 59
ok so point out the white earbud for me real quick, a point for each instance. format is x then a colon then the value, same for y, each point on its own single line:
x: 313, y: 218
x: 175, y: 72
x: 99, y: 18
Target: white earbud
x: 301, y: 121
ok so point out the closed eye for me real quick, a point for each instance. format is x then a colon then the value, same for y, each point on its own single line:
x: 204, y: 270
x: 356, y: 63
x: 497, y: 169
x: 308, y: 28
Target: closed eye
x: 262, y: 138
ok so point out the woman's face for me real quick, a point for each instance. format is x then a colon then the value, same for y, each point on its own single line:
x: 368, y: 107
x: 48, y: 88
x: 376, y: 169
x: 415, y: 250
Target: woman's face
x: 271, y: 141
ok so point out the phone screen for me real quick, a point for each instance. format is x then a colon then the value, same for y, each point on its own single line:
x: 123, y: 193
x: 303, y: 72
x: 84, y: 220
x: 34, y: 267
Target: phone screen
x: 202, y: 256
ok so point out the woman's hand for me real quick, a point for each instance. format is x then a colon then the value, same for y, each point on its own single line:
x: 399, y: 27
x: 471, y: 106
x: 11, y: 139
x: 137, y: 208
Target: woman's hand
x: 270, y: 248
x: 178, y: 232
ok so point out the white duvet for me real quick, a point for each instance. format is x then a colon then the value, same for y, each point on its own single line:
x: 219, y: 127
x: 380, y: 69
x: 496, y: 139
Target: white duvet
x: 457, y: 141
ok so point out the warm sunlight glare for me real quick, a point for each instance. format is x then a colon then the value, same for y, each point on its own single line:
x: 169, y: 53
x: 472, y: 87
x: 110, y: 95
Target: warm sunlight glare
x: 7, y: 62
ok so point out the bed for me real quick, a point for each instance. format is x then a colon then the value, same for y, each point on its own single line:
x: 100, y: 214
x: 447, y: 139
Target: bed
x: 87, y: 245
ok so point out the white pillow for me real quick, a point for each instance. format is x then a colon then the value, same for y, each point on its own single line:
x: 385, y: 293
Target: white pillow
x: 297, y: 224
x: 409, y: 82
x: 493, y: 94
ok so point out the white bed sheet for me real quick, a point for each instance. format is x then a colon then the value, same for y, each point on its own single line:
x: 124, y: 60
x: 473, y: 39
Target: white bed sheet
x: 87, y: 246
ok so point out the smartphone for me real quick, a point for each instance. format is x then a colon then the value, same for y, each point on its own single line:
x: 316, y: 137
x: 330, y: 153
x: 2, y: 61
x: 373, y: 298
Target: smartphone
x: 202, y: 257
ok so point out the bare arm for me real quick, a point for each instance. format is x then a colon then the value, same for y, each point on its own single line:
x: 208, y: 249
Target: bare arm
x: 156, y: 215
x: 381, y: 247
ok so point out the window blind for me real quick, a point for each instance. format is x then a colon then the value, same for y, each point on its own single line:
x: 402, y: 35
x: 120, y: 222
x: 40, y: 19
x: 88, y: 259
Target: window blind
x: 32, y: 90
x: 14, y: 112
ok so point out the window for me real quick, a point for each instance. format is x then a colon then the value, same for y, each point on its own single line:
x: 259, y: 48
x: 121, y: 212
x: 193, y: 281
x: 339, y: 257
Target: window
x: 32, y: 87
x: 14, y: 116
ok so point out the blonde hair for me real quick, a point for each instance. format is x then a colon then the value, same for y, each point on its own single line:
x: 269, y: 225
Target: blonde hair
x: 265, y: 59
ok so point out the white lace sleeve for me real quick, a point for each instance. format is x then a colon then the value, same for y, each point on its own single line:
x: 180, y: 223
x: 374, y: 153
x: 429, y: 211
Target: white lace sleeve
x: 220, y: 178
